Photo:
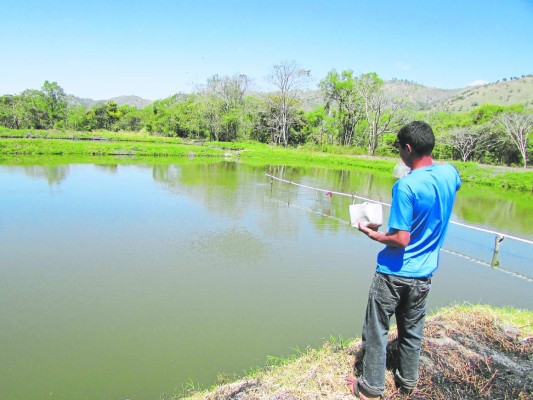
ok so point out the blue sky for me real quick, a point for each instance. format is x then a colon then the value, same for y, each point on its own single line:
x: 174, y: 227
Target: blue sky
x: 155, y: 48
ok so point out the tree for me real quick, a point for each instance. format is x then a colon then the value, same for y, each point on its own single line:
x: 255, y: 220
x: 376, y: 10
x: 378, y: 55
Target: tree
x: 232, y: 90
x: 178, y: 115
x: 518, y: 126
x: 103, y: 116
x: 7, y: 105
x: 210, y: 106
x: 130, y: 118
x: 344, y: 101
x: 234, y: 118
x: 380, y: 111
x: 29, y: 111
x: 485, y: 113
x: 319, y: 126
x: 465, y: 141
x: 77, y: 117
x: 54, y: 101
x: 224, y: 106
x: 113, y: 113
x: 289, y: 79
x: 186, y: 117
x: 258, y: 119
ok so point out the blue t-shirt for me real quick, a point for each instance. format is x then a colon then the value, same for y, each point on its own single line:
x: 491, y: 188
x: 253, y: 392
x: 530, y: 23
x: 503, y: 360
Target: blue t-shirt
x: 422, y: 204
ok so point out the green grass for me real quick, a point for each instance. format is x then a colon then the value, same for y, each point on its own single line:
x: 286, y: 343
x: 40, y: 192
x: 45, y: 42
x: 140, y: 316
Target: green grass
x: 98, y: 135
x: 132, y: 146
x: 497, y: 177
x: 18, y: 147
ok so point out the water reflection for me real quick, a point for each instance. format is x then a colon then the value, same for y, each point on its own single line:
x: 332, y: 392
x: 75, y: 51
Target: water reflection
x: 53, y: 175
x: 485, y: 207
x: 505, y: 211
x: 109, y: 168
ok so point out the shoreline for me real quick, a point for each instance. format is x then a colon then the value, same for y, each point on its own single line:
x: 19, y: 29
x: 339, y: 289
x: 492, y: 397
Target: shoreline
x: 472, y: 352
x: 43, y: 146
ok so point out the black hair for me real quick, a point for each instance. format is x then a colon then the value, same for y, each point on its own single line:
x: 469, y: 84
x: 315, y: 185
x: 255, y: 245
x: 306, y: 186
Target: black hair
x: 419, y: 135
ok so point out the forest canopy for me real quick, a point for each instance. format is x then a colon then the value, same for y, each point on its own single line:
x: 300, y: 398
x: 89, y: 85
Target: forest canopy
x: 354, y: 113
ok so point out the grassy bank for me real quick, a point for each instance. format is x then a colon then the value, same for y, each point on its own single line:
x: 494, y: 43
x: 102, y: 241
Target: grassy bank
x: 128, y: 147
x: 468, y: 352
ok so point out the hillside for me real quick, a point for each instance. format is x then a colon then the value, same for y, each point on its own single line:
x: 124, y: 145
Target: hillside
x: 418, y: 97
x: 135, y: 101
x: 504, y: 93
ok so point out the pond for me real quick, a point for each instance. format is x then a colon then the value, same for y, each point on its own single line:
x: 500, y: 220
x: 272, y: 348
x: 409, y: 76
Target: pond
x: 128, y: 281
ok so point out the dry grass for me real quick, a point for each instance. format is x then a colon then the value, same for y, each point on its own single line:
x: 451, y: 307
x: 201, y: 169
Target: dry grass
x: 468, y: 353
x: 316, y: 374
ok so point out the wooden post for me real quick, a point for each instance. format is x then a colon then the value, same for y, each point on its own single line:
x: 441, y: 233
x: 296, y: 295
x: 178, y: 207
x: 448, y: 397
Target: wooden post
x: 495, y: 259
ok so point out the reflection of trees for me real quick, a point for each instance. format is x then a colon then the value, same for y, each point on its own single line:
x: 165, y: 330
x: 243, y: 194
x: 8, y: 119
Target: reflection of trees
x: 221, y: 174
x: 506, y: 211
x: 372, y: 185
x: 110, y: 168
x: 215, y: 174
x: 375, y: 185
x: 167, y: 174
x: 214, y: 184
x: 228, y: 188
x: 54, y: 175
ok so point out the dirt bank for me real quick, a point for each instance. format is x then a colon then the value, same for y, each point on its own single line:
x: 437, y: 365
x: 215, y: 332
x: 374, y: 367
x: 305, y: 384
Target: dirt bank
x: 468, y: 353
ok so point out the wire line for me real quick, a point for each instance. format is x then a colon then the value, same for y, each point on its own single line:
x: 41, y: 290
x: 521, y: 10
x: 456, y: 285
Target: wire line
x: 388, y: 205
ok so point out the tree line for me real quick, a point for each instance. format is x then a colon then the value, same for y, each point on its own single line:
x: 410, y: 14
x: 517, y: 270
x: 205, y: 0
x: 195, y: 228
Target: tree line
x: 356, y: 115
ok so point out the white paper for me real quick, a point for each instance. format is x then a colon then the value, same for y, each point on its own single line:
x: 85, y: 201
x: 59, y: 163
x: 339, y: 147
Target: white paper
x: 367, y: 214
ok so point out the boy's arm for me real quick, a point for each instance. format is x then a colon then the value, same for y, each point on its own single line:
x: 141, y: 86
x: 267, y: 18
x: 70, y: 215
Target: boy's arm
x: 395, y: 238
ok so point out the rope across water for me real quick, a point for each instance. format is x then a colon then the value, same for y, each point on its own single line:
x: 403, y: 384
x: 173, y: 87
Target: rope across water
x: 469, y: 258
x: 505, y: 235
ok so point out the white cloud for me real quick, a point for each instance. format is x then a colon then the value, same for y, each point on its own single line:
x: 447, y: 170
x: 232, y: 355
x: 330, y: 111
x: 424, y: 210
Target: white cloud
x: 479, y: 82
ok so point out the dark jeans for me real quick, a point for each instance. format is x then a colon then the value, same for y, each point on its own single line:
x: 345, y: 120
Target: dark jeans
x: 405, y: 297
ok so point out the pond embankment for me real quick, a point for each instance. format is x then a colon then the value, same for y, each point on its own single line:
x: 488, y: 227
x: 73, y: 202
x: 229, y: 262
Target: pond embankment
x: 132, y: 147
x: 469, y: 352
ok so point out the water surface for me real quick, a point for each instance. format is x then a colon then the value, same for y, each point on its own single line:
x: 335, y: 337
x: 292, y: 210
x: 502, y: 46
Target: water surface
x: 128, y: 281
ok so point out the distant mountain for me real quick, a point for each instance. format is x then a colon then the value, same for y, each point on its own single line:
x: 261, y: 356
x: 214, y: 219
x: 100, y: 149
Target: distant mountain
x: 132, y: 101
x: 135, y: 101
x: 419, y: 97
x: 502, y: 93
x: 78, y: 101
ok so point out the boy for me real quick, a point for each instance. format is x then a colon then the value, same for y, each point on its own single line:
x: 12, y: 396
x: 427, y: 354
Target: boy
x: 422, y: 204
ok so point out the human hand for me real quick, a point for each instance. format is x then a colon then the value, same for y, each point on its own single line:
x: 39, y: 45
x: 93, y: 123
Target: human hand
x: 367, y: 228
